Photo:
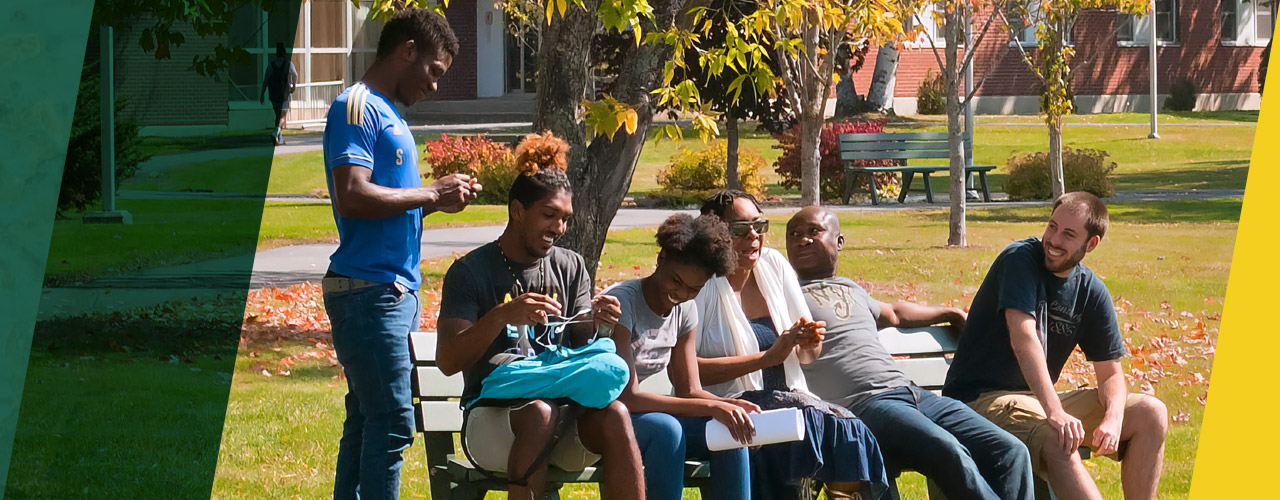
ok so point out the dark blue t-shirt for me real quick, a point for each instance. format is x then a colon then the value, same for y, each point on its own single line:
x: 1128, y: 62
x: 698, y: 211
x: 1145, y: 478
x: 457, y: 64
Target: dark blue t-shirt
x: 1075, y: 310
x: 364, y: 129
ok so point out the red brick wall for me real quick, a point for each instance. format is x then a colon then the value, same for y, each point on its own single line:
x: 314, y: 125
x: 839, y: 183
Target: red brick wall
x: 1102, y: 67
x: 165, y: 92
x: 459, y: 83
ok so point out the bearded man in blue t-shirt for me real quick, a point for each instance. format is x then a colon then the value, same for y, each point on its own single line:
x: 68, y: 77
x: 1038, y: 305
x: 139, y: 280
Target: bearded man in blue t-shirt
x: 1035, y: 306
x: 370, y: 291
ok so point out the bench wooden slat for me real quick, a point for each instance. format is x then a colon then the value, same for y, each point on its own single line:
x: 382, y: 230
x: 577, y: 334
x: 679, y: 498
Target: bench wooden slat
x: 658, y: 383
x: 917, y: 341
x: 422, y: 345
x: 895, y: 155
x: 893, y: 136
x: 432, y: 383
x: 894, y: 146
x: 928, y: 373
x: 439, y: 416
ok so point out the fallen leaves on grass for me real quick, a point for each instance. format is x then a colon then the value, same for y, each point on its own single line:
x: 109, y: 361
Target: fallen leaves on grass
x: 275, y: 316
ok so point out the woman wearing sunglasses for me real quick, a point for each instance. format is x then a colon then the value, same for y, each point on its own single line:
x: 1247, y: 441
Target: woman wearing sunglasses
x: 656, y: 332
x: 754, y: 332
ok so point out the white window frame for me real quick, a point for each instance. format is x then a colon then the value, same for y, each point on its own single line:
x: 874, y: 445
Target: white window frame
x: 1030, y: 37
x: 931, y: 30
x: 1142, y: 29
x: 1247, y: 24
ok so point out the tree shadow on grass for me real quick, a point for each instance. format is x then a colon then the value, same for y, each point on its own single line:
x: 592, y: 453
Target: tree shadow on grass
x: 1221, y: 210
x: 1215, y: 174
x: 1232, y: 116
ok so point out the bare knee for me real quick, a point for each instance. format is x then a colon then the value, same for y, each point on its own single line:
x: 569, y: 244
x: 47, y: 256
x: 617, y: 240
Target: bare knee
x: 1149, y: 416
x: 607, y: 429
x: 534, y: 419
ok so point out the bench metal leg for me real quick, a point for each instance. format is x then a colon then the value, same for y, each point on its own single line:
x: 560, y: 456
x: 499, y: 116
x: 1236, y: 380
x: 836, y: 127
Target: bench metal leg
x: 906, y: 186
x: 849, y: 178
x: 871, y: 188
x: 928, y: 187
x: 986, y: 191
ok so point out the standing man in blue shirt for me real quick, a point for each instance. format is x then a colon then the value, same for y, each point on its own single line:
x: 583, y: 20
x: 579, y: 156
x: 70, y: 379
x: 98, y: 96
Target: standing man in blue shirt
x: 370, y: 291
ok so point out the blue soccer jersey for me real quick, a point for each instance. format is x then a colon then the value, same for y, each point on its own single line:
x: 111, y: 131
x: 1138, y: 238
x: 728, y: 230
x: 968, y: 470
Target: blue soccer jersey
x: 364, y: 129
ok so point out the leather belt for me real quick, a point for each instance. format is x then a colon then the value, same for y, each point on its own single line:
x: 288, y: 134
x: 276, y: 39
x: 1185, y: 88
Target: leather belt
x: 335, y: 283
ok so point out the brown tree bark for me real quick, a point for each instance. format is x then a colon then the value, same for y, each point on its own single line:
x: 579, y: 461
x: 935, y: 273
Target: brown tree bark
x: 1055, y: 157
x: 954, y: 32
x: 812, y: 106
x: 600, y: 169
x: 731, y: 175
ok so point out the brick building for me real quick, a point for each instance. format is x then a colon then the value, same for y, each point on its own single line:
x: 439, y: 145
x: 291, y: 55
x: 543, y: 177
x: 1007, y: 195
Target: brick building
x: 1216, y: 44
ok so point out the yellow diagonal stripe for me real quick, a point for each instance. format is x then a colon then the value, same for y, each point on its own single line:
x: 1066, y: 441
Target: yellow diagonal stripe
x: 1240, y: 437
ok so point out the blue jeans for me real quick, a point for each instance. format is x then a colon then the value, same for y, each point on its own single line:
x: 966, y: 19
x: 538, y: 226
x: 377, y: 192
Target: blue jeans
x: 666, y: 442
x: 371, y: 328
x: 966, y: 455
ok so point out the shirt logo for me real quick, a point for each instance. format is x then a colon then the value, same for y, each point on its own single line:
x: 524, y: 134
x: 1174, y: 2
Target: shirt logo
x: 395, y: 129
x: 399, y: 157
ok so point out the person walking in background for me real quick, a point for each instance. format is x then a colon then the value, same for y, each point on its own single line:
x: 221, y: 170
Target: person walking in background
x: 279, y: 83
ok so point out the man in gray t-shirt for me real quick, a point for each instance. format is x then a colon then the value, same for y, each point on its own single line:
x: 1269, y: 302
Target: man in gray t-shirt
x: 854, y: 365
x: 963, y: 453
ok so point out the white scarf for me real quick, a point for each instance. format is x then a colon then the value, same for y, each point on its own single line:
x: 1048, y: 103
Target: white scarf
x: 724, y: 330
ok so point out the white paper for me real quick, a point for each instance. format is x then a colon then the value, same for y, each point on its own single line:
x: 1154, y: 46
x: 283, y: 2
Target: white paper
x: 774, y: 426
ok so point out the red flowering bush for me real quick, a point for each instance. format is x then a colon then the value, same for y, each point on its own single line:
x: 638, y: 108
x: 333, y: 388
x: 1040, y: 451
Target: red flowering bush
x: 492, y: 163
x: 831, y: 168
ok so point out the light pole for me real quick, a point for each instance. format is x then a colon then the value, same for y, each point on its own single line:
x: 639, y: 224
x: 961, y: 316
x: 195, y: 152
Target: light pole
x: 108, y: 214
x: 1155, y: 127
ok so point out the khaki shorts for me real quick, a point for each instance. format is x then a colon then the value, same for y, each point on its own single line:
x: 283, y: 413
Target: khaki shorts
x: 1020, y: 413
x: 489, y: 439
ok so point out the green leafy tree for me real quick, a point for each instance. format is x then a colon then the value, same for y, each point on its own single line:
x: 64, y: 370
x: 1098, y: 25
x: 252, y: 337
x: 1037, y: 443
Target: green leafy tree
x: 1052, y: 62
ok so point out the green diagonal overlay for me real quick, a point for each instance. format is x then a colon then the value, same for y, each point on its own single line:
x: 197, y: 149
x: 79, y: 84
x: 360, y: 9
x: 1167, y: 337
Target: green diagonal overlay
x: 120, y: 338
x: 38, y: 72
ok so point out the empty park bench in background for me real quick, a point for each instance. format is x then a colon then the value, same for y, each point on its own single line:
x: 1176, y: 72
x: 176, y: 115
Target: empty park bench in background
x: 904, y: 147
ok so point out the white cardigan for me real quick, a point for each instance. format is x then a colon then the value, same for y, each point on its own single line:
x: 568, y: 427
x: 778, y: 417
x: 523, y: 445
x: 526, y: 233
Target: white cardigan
x: 724, y: 330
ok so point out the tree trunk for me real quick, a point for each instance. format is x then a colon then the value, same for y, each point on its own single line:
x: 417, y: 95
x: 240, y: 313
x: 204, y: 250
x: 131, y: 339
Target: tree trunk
x: 812, y: 108
x: 953, y: 31
x: 1055, y: 157
x: 731, y: 176
x: 884, y: 78
x: 600, y: 169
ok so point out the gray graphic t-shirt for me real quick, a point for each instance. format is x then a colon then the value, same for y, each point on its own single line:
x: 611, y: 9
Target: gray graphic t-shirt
x: 854, y: 364
x: 652, y: 336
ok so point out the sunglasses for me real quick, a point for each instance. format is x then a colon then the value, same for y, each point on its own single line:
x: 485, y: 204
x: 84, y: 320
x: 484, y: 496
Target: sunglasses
x: 744, y: 228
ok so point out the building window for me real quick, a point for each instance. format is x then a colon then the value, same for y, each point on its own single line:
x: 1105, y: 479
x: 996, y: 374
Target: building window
x: 1247, y: 22
x: 930, y: 33
x: 1134, y: 29
x: 1022, y: 29
x: 1230, y: 27
x: 1264, y: 20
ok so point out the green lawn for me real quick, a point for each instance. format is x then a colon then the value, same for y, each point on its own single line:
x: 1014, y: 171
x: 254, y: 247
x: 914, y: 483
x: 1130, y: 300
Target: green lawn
x: 280, y: 434
x: 163, y: 233
x: 301, y: 223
